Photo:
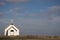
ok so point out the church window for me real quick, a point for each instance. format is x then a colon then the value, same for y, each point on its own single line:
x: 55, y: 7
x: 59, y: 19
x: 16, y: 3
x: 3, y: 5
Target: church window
x: 12, y: 30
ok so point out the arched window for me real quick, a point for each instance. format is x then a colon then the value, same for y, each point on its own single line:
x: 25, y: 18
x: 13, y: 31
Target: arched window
x: 12, y: 30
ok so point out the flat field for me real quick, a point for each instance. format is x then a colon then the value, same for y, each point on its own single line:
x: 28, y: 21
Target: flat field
x: 30, y: 37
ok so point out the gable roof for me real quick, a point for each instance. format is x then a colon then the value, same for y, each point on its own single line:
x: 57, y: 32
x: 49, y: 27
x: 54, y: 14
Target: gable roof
x: 11, y: 26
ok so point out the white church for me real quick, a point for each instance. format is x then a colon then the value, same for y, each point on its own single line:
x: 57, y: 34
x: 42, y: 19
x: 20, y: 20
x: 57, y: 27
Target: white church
x: 11, y: 30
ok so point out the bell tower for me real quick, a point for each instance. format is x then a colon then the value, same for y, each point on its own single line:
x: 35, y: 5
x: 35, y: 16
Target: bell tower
x: 11, y: 21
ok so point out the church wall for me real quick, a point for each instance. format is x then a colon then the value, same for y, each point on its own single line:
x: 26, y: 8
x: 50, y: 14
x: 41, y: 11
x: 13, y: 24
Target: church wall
x: 12, y: 33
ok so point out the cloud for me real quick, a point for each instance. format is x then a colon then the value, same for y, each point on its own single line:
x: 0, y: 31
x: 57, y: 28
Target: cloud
x: 18, y: 9
x: 2, y: 3
x: 51, y: 10
x: 47, y: 1
x: 49, y: 13
x: 54, y: 9
x: 17, y: 0
x: 15, y: 11
x: 1, y: 15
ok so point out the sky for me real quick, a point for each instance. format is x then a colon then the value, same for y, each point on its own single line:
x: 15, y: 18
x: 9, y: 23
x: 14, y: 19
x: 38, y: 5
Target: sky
x: 32, y: 17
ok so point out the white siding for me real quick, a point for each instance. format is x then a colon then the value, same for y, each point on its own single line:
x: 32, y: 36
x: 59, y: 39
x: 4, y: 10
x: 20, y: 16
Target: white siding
x: 11, y: 27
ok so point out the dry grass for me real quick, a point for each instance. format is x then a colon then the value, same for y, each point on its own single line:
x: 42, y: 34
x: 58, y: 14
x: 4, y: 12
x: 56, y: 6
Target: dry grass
x: 30, y: 37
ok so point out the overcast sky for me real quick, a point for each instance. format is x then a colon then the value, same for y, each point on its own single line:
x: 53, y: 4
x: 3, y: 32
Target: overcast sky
x: 31, y: 16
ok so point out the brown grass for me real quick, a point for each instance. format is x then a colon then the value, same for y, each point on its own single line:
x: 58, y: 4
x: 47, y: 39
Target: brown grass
x: 30, y: 37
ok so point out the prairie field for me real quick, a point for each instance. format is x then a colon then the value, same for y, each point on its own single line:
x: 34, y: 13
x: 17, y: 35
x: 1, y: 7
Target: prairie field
x: 30, y: 38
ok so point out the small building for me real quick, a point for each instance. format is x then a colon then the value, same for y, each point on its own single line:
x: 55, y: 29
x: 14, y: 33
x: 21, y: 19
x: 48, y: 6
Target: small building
x: 11, y: 30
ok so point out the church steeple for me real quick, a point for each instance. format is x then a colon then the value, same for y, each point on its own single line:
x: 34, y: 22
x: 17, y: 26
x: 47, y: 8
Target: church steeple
x: 11, y: 21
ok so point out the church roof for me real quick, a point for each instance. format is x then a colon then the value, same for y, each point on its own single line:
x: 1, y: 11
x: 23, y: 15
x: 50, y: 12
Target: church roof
x: 11, y: 26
